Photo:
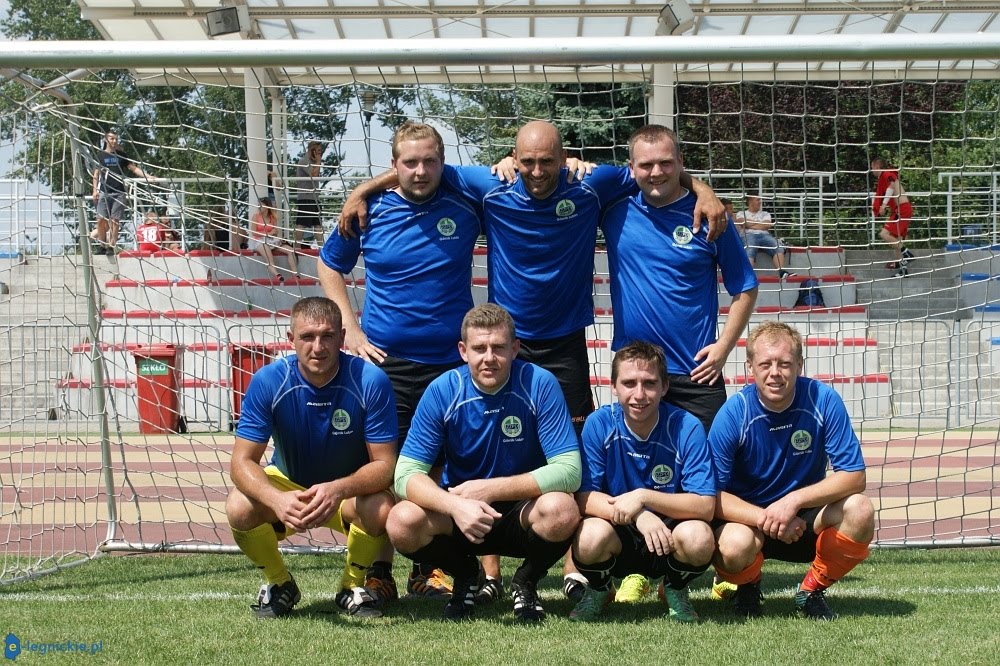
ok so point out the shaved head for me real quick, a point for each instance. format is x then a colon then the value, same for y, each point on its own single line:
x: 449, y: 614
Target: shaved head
x: 539, y: 157
x: 536, y: 133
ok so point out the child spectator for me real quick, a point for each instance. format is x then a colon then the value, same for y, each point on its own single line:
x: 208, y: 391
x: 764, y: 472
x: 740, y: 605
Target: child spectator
x: 153, y: 236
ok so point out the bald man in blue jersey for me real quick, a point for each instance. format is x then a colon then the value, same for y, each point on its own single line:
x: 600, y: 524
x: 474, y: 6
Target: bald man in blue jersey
x: 511, y: 464
x: 648, y: 489
x: 332, y: 419
x: 772, y: 444
x: 664, y: 284
x: 417, y: 249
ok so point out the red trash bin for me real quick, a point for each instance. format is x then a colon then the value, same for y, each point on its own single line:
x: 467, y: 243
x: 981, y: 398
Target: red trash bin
x: 247, y: 358
x: 158, y: 371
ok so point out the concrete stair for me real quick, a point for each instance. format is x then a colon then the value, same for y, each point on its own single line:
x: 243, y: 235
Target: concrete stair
x: 42, y: 316
x: 930, y: 291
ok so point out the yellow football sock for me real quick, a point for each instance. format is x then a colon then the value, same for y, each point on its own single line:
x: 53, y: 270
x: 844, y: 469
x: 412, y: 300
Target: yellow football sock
x: 362, y: 549
x: 261, y: 545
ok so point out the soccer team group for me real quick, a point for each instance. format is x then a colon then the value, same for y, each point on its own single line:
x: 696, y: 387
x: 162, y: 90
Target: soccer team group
x: 454, y: 434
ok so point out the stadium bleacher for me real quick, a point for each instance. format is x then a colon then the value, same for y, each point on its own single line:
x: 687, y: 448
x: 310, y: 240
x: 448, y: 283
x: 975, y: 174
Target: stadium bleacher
x: 213, y: 302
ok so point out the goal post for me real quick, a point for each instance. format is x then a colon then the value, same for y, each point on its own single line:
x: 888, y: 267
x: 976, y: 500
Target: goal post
x: 216, y: 126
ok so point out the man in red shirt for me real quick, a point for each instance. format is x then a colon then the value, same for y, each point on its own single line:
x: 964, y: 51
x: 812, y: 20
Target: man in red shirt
x: 890, y: 196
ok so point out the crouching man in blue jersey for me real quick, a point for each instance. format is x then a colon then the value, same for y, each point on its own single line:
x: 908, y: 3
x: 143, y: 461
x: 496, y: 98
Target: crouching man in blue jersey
x: 771, y: 444
x: 511, y: 464
x: 648, y: 489
x: 332, y: 418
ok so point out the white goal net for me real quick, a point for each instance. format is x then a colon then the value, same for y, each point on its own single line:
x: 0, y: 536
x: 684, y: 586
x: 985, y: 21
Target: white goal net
x: 121, y: 373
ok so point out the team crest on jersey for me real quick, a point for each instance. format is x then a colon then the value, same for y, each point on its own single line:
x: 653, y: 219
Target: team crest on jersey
x: 801, y: 440
x: 446, y: 226
x: 682, y: 235
x: 511, y: 426
x: 662, y: 475
x: 341, y: 420
x: 565, y: 208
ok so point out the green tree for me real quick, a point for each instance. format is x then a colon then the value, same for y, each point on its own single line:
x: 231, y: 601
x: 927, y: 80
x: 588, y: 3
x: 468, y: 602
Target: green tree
x: 595, y: 120
x: 190, y: 131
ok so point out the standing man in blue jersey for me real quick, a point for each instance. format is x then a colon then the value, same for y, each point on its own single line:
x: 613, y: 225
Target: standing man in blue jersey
x: 511, y: 464
x: 418, y: 276
x: 332, y: 419
x: 648, y: 490
x: 664, y: 284
x: 771, y: 445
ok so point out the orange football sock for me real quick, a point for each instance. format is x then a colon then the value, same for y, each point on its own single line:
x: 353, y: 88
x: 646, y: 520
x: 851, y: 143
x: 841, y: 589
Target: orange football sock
x: 836, y: 554
x: 749, y: 575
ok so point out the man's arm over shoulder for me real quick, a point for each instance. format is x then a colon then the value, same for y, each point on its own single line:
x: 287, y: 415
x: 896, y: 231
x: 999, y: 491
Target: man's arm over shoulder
x: 474, y: 182
x: 611, y: 183
x: 708, y: 207
x: 354, y: 214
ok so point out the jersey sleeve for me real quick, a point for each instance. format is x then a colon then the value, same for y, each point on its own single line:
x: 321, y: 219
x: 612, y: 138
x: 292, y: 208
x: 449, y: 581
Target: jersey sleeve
x: 555, y: 428
x: 724, y: 439
x: 698, y: 473
x: 841, y: 443
x: 381, y: 424
x: 339, y: 253
x: 256, y: 416
x: 595, y: 431
x: 426, y: 436
x: 737, y: 272
x: 611, y: 183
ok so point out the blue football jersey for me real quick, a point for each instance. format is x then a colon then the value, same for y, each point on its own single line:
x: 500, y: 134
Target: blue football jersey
x: 320, y: 434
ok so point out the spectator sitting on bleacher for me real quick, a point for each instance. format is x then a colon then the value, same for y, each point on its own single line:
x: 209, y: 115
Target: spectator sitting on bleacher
x: 755, y: 225
x: 153, y: 236
x: 264, y: 241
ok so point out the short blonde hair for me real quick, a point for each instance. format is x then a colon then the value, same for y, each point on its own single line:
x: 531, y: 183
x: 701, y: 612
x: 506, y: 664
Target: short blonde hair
x: 412, y: 131
x: 774, y: 331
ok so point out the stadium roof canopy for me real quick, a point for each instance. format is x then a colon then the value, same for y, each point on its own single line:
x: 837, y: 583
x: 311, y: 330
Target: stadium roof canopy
x: 278, y: 20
